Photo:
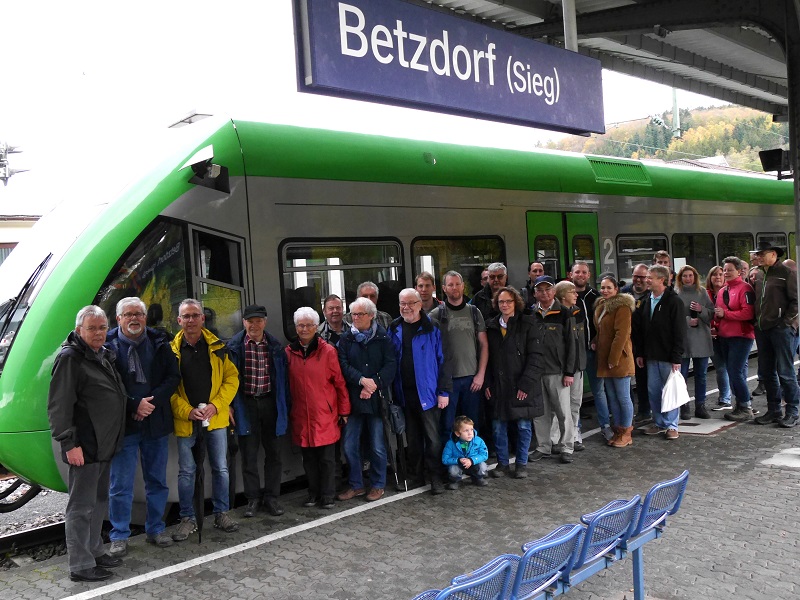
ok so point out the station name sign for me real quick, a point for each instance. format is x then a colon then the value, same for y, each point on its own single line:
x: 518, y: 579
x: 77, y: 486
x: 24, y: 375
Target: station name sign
x: 398, y: 53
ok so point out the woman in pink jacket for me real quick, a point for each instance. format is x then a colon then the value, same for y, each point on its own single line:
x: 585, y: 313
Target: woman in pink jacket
x: 733, y: 317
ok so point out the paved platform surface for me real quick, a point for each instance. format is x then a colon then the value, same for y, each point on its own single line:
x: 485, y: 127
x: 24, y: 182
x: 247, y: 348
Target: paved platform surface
x: 736, y: 535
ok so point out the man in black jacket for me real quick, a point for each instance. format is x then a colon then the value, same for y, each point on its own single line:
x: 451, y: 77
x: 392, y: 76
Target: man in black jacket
x: 86, y: 409
x: 659, y: 338
x: 149, y: 370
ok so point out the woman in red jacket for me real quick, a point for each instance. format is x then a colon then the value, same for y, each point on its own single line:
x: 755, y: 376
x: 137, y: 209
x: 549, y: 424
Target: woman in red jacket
x: 319, y: 400
x: 733, y: 317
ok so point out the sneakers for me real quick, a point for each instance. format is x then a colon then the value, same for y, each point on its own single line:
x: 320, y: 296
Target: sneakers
x: 672, y: 434
x: 185, y: 528
x: 607, y: 432
x: 499, y: 471
x: 578, y: 447
x: 452, y: 485
x: 723, y: 406
x: 701, y: 412
x: 437, y: 487
x: 326, y: 503
x: 654, y: 430
x: 161, y: 539
x: 224, y: 522
x: 273, y: 506
x: 250, y: 510
x: 536, y: 455
x: 566, y: 458
x: 520, y: 471
x: 350, y: 493
x: 741, y: 414
x: 768, y: 418
x: 311, y: 500
x: 374, y: 494
x: 119, y: 548
x: 789, y: 421
x: 760, y: 390
x: 480, y: 481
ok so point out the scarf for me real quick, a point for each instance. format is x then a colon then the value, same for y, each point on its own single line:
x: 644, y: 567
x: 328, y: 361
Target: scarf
x: 134, y: 363
x: 362, y: 337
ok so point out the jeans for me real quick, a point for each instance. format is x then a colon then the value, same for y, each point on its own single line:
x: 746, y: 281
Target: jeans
x: 642, y: 397
x: 776, y: 367
x: 700, y: 370
x: 463, y: 401
x: 618, y: 392
x: 377, y: 448
x: 154, y: 453
x: 657, y: 374
x: 478, y: 471
x: 598, y: 391
x: 524, y: 435
x: 216, y: 442
x: 735, y: 352
x: 721, y: 371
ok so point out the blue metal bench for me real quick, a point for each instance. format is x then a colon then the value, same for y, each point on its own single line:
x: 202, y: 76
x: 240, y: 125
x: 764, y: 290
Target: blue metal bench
x: 550, y: 566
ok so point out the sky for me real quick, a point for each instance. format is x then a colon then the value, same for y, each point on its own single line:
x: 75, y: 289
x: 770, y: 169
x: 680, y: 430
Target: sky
x: 87, y: 88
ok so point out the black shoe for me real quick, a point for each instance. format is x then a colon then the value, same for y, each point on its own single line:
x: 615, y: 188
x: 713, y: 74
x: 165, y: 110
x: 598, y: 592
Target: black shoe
x: 789, y: 421
x: 480, y: 481
x: 566, y: 458
x: 310, y: 501
x: 536, y: 455
x: 107, y: 561
x: 642, y: 418
x: 585, y: 417
x: 700, y: 412
x: 686, y: 413
x: 578, y: 447
x: 327, y: 503
x: 452, y: 485
x: 273, y: 507
x: 759, y: 391
x: 555, y: 451
x: 437, y: 487
x: 520, y: 471
x: 93, y: 574
x: 768, y: 418
x: 250, y: 510
x: 499, y: 471
x: 741, y: 414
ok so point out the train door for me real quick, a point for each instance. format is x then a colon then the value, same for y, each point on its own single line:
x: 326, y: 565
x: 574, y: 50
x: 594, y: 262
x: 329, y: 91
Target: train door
x: 558, y: 239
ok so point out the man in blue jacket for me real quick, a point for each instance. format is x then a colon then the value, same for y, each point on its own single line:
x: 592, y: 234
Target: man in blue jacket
x: 422, y: 386
x: 149, y: 370
x: 260, y: 408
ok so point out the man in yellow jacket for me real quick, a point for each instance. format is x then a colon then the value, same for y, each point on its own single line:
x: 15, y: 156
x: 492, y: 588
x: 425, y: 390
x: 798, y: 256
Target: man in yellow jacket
x: 200, y: 408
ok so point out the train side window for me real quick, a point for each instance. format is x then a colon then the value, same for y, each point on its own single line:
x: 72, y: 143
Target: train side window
x: 777, y: 239
x: 583, y: 249
x: 313, y: 270
x: 792, y: 246
x: 735, y: 244
x: 219, y: 281
x: 467, y: 255
x: 547, y: 251
x: 695, y: 249
x: 634, y: 250
x: 154, y: 269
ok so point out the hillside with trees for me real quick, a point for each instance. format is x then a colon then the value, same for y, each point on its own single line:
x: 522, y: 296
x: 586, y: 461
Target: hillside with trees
x: 733, y: 132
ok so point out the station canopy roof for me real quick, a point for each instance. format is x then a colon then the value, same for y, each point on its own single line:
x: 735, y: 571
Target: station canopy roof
x: 718, y: 48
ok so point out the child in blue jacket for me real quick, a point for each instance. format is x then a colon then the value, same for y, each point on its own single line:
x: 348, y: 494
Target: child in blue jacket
x: 465, y: 452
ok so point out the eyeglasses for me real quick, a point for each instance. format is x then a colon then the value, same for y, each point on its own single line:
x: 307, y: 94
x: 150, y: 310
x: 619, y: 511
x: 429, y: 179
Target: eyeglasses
x: 305, y: 326
x: 505, y: 302
x: 130, y: 315
x: 191, y: 316
x: 359, y: 315
x: 93, y: 329
x: 408, y: 304
x: 639, y: 276
x: 497, y: 277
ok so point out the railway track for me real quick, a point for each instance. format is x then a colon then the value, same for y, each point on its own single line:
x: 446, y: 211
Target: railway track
x: 35, y: 538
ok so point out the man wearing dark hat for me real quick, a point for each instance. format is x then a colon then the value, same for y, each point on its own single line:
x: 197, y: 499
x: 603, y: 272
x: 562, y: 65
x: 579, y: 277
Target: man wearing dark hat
x: 776, y: 328
x: 260, y: 408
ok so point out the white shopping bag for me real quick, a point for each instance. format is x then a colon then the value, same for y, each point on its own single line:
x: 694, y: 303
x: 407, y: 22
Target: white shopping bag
x: 674, y: 393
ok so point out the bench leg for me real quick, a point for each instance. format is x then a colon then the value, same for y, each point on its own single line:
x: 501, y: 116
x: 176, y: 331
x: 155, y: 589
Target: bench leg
x: 638, y: 574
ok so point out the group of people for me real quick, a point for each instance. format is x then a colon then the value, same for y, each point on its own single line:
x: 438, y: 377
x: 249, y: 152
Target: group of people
x: 508, y: 363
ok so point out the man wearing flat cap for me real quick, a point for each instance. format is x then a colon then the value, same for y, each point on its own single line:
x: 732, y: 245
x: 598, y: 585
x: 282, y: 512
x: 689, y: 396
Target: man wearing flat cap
x: 260, y: 408
x: 776, y: 328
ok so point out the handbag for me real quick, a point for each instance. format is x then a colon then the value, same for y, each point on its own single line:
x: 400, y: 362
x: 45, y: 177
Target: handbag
x: 394, y: 413
x: 674, y: 393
